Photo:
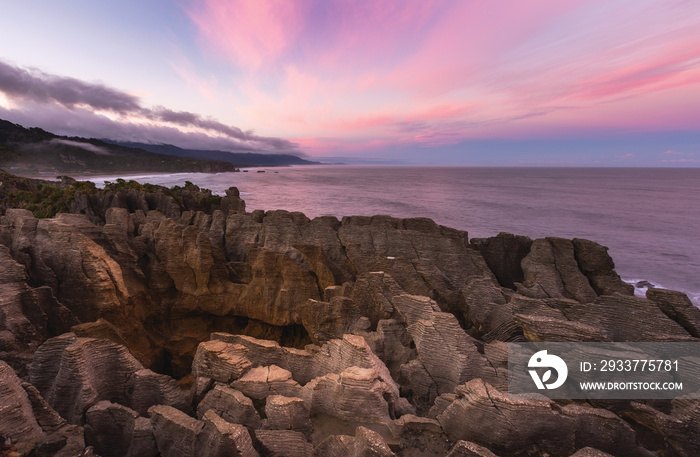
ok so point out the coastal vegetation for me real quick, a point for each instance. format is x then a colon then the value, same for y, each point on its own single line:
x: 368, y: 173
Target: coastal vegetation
x: 46, y: 198
x: 32, y: 151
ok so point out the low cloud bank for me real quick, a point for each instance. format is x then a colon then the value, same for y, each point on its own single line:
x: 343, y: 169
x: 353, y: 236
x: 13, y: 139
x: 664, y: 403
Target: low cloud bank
x: 71, y: 106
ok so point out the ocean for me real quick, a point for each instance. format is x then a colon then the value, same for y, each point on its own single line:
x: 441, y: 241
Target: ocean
x: 649, y: 218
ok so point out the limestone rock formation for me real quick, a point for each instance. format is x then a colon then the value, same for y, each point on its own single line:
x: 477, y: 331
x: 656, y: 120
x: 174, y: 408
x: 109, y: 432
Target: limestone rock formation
x: 175, y: 432
x: 261, y: 382
x: 30, y: 425
x: 503, y: 254
x: 117, y: 431
x: 220, y: 361
x: 365, y: 443
x: 357, y: 395
x: 677, y: 306
x: 598, y: 266
x: 231, y: 405
x: 18, y: 421
x: 487, y: 416
x: 220, y: 438
x: 283, y: 443
x: 551, y: 271
x: 469, y: 449
x: 146, y: 388
x: 287, y: 413
x: 74, y: 373
x: 678, y: 425
x: 293, y: 334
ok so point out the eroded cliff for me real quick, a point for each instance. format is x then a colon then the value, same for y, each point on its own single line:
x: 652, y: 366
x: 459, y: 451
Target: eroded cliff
x: 292, y: 336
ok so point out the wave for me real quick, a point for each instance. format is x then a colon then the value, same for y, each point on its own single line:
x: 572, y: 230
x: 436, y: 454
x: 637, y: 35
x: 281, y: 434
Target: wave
x: 642, y: 285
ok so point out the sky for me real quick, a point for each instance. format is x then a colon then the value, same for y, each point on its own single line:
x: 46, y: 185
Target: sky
x: 449, y: 82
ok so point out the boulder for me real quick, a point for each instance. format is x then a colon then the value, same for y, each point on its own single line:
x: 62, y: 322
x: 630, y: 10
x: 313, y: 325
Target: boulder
x: 678, y: 307
x: 175, y: 432
x: 260, y: 382
x: 283, y: 443
x: 287, y: 413
x: 231, y: 405
x: 487, y: 416
x: 365, y: 443
x: 220, y: 438
x: 114, y: 430
x: 220, y: 361
x: 468, y: 449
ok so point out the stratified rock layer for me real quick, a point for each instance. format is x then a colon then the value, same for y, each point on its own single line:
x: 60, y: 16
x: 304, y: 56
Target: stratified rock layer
x: 296, y: 336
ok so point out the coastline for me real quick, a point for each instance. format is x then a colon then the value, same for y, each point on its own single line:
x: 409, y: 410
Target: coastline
x: 662, y: 255
x: 192, y: 308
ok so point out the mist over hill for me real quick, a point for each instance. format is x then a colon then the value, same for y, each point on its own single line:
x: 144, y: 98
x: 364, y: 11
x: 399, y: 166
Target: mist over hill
x: 31, y: 151
x: 34, y: 150
x: 241, y: 159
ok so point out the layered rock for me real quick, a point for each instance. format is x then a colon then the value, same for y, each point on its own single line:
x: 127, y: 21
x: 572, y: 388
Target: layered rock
x: 179, y: 435
x: 73, y: 374
x: 287, y: 413
x: 117, y: 431
x: 29, y: 424
x: 282, y: 443
x: 407, y: 319
x: 485, y: 415
x: 365, y: 443
x: 551, y: 271
x: 231, y: 405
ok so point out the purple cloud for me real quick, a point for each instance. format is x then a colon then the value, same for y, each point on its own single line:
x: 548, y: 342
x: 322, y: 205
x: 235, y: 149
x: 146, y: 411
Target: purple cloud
x: 66, y: 105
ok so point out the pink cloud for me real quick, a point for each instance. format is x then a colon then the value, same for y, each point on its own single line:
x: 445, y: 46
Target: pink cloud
x: 251, y: 33
x: 431, y: 73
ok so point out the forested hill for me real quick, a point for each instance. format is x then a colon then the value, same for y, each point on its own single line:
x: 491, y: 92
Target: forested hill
x: 242, y: 159
x: 34, y: 150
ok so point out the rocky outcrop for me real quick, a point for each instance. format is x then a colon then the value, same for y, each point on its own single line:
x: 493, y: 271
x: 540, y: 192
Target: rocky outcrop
x: 551, y: 271
x: 73, y: 374
x: 298, y: 336
x: 485, y: 415
x: 677, y: 425
x: 677, y: 306
x: 282, y: 443
x: 231, y: 405
x: 175, y: 432
x: 220, y: 438
x: 469, y: 449
x: 287, y: 413
x: 503, y: 254
x: 599, y: 268
x: 29, y: 425
x: 117, y: 431
x: 365, y: 443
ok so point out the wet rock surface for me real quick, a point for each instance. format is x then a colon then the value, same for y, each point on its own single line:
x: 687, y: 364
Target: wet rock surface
x: 206, y: 330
